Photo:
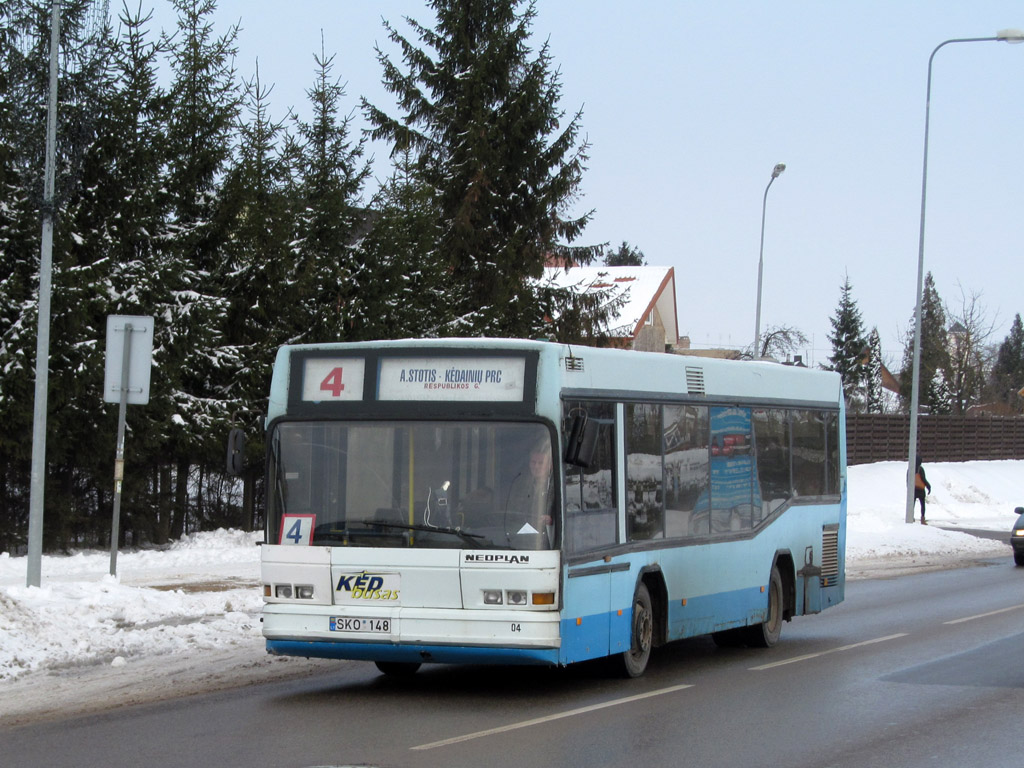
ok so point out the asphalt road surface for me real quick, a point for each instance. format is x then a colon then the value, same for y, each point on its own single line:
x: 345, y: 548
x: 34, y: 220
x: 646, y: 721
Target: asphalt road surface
x: 921, y: 670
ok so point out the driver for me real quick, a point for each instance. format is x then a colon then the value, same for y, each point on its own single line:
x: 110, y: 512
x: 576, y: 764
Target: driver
x: 531, y: 495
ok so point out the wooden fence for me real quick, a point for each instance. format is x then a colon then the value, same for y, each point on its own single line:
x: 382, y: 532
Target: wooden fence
x: 883, y: 437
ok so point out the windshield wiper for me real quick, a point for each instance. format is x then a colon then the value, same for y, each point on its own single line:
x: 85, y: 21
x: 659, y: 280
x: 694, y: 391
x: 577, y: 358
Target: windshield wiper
x: 469, y: 538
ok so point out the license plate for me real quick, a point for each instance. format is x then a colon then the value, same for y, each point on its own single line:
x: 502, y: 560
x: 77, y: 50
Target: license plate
x: 359, y: 624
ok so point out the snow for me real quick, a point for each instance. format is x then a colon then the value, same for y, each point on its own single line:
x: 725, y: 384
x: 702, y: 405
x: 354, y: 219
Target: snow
x: 186, y: 617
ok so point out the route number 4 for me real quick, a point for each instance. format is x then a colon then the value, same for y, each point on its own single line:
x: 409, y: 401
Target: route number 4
x: 332, y: 383
x: 297, y: 529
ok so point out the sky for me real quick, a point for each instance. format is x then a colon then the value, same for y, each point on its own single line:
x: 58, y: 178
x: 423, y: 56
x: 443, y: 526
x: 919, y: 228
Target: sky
x: 689, y: 105
x: 201, y: 595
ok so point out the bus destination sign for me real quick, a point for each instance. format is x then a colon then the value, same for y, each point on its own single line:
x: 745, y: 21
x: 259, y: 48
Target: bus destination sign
x: 477, y: 379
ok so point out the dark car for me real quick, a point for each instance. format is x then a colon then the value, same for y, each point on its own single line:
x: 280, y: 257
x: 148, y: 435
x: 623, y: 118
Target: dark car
x: 1017, y: 537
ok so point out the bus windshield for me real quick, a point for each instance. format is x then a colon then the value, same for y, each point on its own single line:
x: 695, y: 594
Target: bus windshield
x: 466, y: 485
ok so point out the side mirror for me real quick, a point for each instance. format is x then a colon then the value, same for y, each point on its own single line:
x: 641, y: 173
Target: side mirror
x: 1019, y: 511
x: 582, y: 442
x: 236, y: 452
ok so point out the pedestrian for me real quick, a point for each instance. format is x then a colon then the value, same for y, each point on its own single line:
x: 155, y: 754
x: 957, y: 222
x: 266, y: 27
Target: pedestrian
x: 920, y: 485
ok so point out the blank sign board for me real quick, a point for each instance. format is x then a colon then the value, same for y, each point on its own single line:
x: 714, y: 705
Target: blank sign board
x: 140, y: 358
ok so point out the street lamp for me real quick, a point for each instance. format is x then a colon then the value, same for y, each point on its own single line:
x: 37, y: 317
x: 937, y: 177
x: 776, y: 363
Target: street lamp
x: 776, y: 172
x: 1004, y: 36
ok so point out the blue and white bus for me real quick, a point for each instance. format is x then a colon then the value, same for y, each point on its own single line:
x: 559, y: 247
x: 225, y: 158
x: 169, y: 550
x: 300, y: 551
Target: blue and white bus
x: 519, y: 502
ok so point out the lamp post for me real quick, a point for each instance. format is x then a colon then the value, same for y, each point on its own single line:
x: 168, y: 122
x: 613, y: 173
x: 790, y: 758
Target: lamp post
x: 776, y: 172
x: 1005, y: 36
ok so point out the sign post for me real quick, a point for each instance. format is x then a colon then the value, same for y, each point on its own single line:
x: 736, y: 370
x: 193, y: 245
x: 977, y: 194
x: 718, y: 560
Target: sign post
x: 126, y: 380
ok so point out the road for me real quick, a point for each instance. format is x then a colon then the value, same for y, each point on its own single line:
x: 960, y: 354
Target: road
x: 920, y: 670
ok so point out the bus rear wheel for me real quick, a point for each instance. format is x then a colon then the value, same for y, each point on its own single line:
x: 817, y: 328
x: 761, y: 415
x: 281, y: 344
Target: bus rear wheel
x: 767, y: 634
x: 641, y: 636
x: 398, y: 668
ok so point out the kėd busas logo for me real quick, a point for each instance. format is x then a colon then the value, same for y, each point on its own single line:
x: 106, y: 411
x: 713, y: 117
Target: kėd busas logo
x: 368, y: 586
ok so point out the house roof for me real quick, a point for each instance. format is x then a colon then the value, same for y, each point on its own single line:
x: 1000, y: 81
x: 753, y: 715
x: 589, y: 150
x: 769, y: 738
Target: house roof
x: 644, y: 289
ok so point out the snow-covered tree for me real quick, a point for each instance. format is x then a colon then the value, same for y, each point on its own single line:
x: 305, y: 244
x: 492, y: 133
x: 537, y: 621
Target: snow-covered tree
x: 330, y: 173
x: 1007, y: 378
x: 482, y: 119
x: 848, y: 344
x: 934, y: 393
x: 874, y: 392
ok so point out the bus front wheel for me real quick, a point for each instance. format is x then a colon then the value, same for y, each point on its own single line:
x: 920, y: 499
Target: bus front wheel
x: 641, y: 636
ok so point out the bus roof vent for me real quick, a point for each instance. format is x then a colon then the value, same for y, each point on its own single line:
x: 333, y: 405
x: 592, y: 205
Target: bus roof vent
x: 694, y: 380
x: 573, y: 363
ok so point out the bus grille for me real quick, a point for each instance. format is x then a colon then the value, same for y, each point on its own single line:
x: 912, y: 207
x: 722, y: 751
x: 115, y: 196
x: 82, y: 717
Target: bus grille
x: 829, y: 555
x: 694, y: 380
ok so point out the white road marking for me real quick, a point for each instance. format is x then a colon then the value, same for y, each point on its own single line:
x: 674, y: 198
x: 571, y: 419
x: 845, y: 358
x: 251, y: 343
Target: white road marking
x: 550, y: 718
x: 985, y: 615
x: 805, y: 657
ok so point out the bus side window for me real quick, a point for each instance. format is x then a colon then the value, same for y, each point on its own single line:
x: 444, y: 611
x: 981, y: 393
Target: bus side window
x: 591, y: 518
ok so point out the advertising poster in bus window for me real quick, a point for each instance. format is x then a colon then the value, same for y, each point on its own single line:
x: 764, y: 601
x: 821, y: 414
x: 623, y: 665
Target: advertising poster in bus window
x: 468, y: 379
x: 734, y: 491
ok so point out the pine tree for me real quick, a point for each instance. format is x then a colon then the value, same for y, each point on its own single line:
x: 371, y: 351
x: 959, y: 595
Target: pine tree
x: 483, y: 121
x: 848, y: 343
x: 331, y: 175
x: 1007, y: 377
x: 934, y: 392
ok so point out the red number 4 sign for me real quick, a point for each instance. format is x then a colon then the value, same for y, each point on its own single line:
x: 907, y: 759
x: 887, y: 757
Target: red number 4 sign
x: 332, y: 383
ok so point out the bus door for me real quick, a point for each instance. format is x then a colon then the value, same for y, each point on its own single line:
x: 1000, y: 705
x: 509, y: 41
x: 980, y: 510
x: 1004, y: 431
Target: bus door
x: 592, y: 523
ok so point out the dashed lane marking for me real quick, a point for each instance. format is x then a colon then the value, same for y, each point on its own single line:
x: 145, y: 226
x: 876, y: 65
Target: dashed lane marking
x: 807, y: 656
x: 550, y: 718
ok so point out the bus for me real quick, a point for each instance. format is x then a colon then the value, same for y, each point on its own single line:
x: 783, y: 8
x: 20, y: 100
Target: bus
x: 502, y: 501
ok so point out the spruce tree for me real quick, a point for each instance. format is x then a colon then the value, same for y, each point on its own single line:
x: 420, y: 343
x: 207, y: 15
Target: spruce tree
x: 874, y: 393
x: 848, y: 345
x: 194, y: 357
x: 934, y: 391
x: 1007, y: 377
x: 128, y: 161
x: 625, y: 256
x: 330, y: 177
x: 483, y: 121
x: 259, y: 274
x: 402, y: 293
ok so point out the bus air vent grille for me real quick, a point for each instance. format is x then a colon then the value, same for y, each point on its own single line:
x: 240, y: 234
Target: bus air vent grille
x: 694, y: 380
x: 829, y: 554
x: 573, y: 363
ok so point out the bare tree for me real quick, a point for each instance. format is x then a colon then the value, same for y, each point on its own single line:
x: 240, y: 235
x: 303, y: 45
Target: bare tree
x: 778, y: 341
x: 970, y: 353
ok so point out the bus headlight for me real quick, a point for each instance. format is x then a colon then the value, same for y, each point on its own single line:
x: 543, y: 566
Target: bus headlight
x: 304, y: 591
x: 492, y: 597
x: 516, y: 597
x: 283, y: 591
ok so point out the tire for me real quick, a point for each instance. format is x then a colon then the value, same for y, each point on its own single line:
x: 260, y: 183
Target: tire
x: 641, y: 635
x: 767, y: 634
x: 398, y: 668
x: 1018, y: 557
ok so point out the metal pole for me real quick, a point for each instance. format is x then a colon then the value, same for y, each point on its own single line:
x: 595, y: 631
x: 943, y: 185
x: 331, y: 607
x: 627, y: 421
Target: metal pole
x: 915, y: 395
x: 115, y: 525
x: 776, y: 172
x: 37, y: 487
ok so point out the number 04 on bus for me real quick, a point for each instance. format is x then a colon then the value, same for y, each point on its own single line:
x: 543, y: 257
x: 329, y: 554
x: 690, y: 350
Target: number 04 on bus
x: 520, y: 502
